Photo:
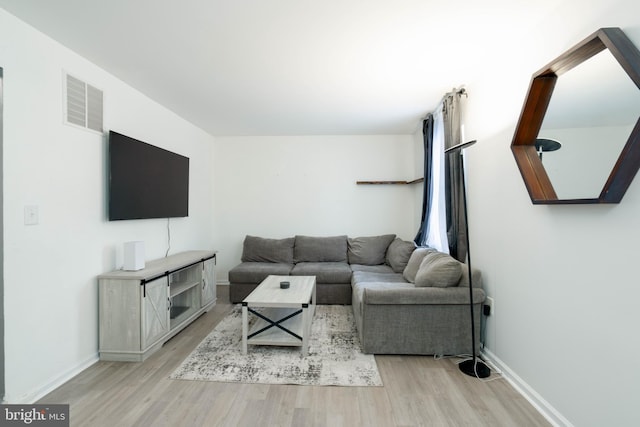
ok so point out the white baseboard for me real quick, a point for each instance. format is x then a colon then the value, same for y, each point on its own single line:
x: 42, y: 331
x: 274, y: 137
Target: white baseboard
x: 538, y: 402
x: 45, y: 389
x: 223, y: 282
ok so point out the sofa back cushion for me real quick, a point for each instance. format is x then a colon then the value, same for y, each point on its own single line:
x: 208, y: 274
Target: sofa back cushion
x: 438, y: 269
x: 320, y: 249
x: 259, y: 249
x: 398, y: 254
x: 370, y: 250
x: 414, y: 262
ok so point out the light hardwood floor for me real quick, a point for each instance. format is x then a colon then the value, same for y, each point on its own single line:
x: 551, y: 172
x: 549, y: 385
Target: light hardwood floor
x: 418, y: 391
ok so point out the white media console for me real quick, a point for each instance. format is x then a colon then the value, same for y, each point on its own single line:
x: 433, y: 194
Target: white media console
x: 141, y: 310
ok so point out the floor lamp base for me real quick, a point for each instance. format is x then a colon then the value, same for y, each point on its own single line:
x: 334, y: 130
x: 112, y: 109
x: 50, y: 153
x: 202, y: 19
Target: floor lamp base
x: 474, y: 368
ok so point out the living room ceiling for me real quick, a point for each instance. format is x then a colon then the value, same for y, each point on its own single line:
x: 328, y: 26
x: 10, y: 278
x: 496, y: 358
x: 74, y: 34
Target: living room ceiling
x: 290, y: 67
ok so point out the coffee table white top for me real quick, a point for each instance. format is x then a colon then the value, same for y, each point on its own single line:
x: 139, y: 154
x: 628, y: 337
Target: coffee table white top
x: 269, y: 294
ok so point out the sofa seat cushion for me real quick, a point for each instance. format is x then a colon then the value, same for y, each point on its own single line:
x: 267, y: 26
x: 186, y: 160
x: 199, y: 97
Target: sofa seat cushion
x: 256, y: 272
x: 259, y: 249
x: 325, y: 272
x: 373, y: 276
x: 395, y: 290
x: 320, y: 249
x: 372, y: 268
x: 370, y: 250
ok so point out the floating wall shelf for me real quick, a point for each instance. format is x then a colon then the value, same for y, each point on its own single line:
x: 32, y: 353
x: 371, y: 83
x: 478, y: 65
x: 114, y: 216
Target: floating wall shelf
x: 415, y: 181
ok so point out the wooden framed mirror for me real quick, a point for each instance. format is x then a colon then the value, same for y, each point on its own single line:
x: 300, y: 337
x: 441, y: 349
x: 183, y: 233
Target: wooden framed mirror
x: 578, y: 137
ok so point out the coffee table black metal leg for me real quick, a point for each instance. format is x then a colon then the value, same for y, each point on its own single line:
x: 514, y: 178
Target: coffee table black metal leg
x: 276, y: 323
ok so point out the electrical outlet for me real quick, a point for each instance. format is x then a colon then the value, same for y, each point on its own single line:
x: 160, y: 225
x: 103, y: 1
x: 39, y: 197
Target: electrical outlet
x: 489, y: 304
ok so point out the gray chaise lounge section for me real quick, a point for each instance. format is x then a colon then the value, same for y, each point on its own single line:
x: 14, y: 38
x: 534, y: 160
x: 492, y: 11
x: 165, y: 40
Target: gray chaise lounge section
x: 394, y: 316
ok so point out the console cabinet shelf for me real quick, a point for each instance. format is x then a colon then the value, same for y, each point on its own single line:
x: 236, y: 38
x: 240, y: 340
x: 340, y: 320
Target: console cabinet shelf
x: 141, y: 310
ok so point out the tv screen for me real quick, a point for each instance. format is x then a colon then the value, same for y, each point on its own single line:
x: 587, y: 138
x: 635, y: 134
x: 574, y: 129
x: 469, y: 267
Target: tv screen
x: 146, y: 181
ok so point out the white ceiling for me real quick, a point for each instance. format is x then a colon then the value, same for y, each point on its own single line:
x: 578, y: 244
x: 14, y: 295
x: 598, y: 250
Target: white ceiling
x: 284, y: 67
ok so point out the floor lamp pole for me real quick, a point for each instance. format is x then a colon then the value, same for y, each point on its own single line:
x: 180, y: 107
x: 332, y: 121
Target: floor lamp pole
x: 472, y: 367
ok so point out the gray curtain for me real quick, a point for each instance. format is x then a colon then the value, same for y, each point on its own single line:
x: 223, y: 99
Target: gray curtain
x: 454, y: 195
x: 427, y: 138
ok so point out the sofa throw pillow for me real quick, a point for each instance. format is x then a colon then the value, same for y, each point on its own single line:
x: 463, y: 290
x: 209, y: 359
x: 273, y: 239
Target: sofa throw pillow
x: 414, y: 262
x: 398, y: 254
x: 370, y: 250
x: 438, y: 270
x: 259, y: 249
x: 320, y: 249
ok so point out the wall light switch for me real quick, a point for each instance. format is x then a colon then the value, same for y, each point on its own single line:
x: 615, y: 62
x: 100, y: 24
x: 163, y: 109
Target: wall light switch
x: 31, y: 215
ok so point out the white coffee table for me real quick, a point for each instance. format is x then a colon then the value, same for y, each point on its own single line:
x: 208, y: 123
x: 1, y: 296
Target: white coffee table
x: 285, y: 319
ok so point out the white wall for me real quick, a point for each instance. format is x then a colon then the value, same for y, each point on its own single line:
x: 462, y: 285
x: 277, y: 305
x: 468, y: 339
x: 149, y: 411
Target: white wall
x: 50, y: 269
x: 564, y: 278
x: 282, y: 186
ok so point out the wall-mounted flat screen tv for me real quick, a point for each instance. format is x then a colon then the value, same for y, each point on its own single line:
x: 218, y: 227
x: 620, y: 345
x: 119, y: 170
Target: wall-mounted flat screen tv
x: 146, y: 181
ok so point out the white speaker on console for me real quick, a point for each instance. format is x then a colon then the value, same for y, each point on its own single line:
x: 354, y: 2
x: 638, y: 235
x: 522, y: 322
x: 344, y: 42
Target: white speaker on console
x: 133, y: 256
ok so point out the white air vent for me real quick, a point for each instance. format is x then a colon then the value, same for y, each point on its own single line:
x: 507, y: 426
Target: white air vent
x: 83, y: 104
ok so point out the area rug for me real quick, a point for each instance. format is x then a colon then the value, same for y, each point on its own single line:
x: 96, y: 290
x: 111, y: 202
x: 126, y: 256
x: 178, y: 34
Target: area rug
x: 334, y: 357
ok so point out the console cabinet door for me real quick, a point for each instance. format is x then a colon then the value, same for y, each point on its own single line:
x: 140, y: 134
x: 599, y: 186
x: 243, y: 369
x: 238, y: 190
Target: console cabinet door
x: 208, y: 281
x: 155, y: 311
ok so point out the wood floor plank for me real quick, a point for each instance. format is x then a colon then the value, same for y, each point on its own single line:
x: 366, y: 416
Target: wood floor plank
x: 375, y: 407
x: 417, y: 391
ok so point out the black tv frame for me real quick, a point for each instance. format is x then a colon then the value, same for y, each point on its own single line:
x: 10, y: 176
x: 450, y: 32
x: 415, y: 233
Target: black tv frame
x: 145, y: 181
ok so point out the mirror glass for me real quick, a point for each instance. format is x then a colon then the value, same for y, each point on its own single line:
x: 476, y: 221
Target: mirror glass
x: 592, y: 112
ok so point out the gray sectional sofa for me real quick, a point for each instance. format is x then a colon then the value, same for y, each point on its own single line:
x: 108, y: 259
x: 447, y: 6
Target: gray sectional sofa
x: 405, y: 300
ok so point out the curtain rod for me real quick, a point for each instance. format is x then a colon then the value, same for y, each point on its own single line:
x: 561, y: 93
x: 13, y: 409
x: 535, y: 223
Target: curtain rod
x: 459, y: 91
x: 455, y: 91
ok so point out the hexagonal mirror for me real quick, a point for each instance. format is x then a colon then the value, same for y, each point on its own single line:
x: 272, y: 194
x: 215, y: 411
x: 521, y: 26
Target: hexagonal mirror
x: 578, y: 137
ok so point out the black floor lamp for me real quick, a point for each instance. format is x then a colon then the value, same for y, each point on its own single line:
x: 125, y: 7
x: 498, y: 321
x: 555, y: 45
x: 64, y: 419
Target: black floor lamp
x: 472, y: 367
